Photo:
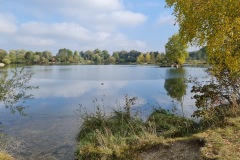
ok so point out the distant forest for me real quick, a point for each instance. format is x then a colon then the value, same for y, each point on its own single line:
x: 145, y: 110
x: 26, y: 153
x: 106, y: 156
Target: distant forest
x: 66, y: 56
x: 199, y: 55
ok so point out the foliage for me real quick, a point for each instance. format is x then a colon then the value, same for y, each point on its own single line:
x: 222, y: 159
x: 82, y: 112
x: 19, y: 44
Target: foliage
x: 3, y: 54
x: 170, y: 125
x: 161, y: 58
x: 126, y: 57
x: 66, y: 56
x: 213, y: 102
x: 6, y: 60
x: 13, y: 91
x: 150, y: 58
x: 218, y: 29
x: 176, y: 51
x: 215, y: 24
x: 199, y: 55
x: 29, y: 57
x: 62, y: 55
x: 141, y: 58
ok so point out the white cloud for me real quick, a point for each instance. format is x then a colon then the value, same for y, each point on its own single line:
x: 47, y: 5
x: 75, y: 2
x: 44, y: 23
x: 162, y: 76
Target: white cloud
x: 103, y: 5
x: 62, y: 30
x: 75, y: 88
x: 72, y: 35
x: 104, y: 19
x: 119, y: 41
x: 102, y: 36
x: 145, y: 4
x: 7, y: 23
x: 114, y: 41
x: 114, y: 20
x: 166, y: 19
x: 127, y: 18
x: 73, y: 24
x: 30, y: 40
x: 78, y: 4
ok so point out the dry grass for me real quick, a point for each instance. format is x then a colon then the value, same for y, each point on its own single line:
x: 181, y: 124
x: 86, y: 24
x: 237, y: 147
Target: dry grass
x: 222, y: 143
x: 108, y: 145
x: 5, y: 156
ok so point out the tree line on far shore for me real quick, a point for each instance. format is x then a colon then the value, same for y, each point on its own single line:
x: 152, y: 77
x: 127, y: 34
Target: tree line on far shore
x: 67, y: 56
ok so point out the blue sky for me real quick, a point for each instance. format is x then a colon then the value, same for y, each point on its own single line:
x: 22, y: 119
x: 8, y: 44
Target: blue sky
x: 114, y: 25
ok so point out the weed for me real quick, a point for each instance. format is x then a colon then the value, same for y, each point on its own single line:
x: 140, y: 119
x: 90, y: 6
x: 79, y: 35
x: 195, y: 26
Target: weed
x: 120, y: 135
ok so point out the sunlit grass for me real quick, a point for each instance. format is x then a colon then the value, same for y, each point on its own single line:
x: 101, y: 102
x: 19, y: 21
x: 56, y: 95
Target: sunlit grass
x: 222, y: 143
x: 121, y: 135
x: 5, y: 156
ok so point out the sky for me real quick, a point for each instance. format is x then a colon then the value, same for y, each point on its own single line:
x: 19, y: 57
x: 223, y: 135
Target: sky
x: 113, y: 25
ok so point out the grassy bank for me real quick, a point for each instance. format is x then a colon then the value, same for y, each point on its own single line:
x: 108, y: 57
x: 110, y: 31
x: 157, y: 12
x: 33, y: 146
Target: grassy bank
x: 122, y: 136
x: 222, y: 142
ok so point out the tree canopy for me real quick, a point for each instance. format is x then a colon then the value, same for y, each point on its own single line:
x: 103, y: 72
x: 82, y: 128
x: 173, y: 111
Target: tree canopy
x: 176, y: 51
x: 215, y: 24
x: 176, y: 87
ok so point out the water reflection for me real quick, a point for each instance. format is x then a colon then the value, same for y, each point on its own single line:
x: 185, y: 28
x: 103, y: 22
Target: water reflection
x: 51, y: 125
x: 176, y: 87
x: 14, y: 89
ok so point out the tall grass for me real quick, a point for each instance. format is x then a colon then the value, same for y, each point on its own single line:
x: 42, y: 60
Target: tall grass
x: 170, y: 125
x: 104, y: 136
x: 120, y: 135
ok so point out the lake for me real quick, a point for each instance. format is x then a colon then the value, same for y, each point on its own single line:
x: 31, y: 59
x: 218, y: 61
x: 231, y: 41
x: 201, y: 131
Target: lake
x: 49, y: 129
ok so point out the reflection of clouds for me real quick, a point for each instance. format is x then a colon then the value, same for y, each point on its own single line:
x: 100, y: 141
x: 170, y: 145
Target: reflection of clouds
x: 58, y: 88
x: 62, y: 88
x: 163, y: 100
x: 167, y: 102
x: 2, y: 105
x: 70, y: 92
x: 65, y: 95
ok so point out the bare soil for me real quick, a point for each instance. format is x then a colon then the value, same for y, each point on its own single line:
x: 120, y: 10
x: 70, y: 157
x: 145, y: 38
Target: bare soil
x: 178, y: 150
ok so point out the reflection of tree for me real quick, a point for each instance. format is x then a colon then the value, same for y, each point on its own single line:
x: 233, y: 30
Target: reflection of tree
x: 13, y: 90
x: 176, y: 87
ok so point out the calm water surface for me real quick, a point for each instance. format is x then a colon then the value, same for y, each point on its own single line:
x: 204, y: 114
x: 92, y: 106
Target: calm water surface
x: 50, y: 127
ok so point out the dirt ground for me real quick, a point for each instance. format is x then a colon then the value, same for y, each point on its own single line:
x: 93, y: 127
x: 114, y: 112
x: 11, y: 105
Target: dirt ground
x: 179, y: 150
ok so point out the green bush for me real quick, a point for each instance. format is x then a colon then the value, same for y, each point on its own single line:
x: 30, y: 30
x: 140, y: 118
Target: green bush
x: 170, y: 125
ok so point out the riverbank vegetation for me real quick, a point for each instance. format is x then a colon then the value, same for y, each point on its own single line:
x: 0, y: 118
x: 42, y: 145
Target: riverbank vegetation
x: 122, y: 134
